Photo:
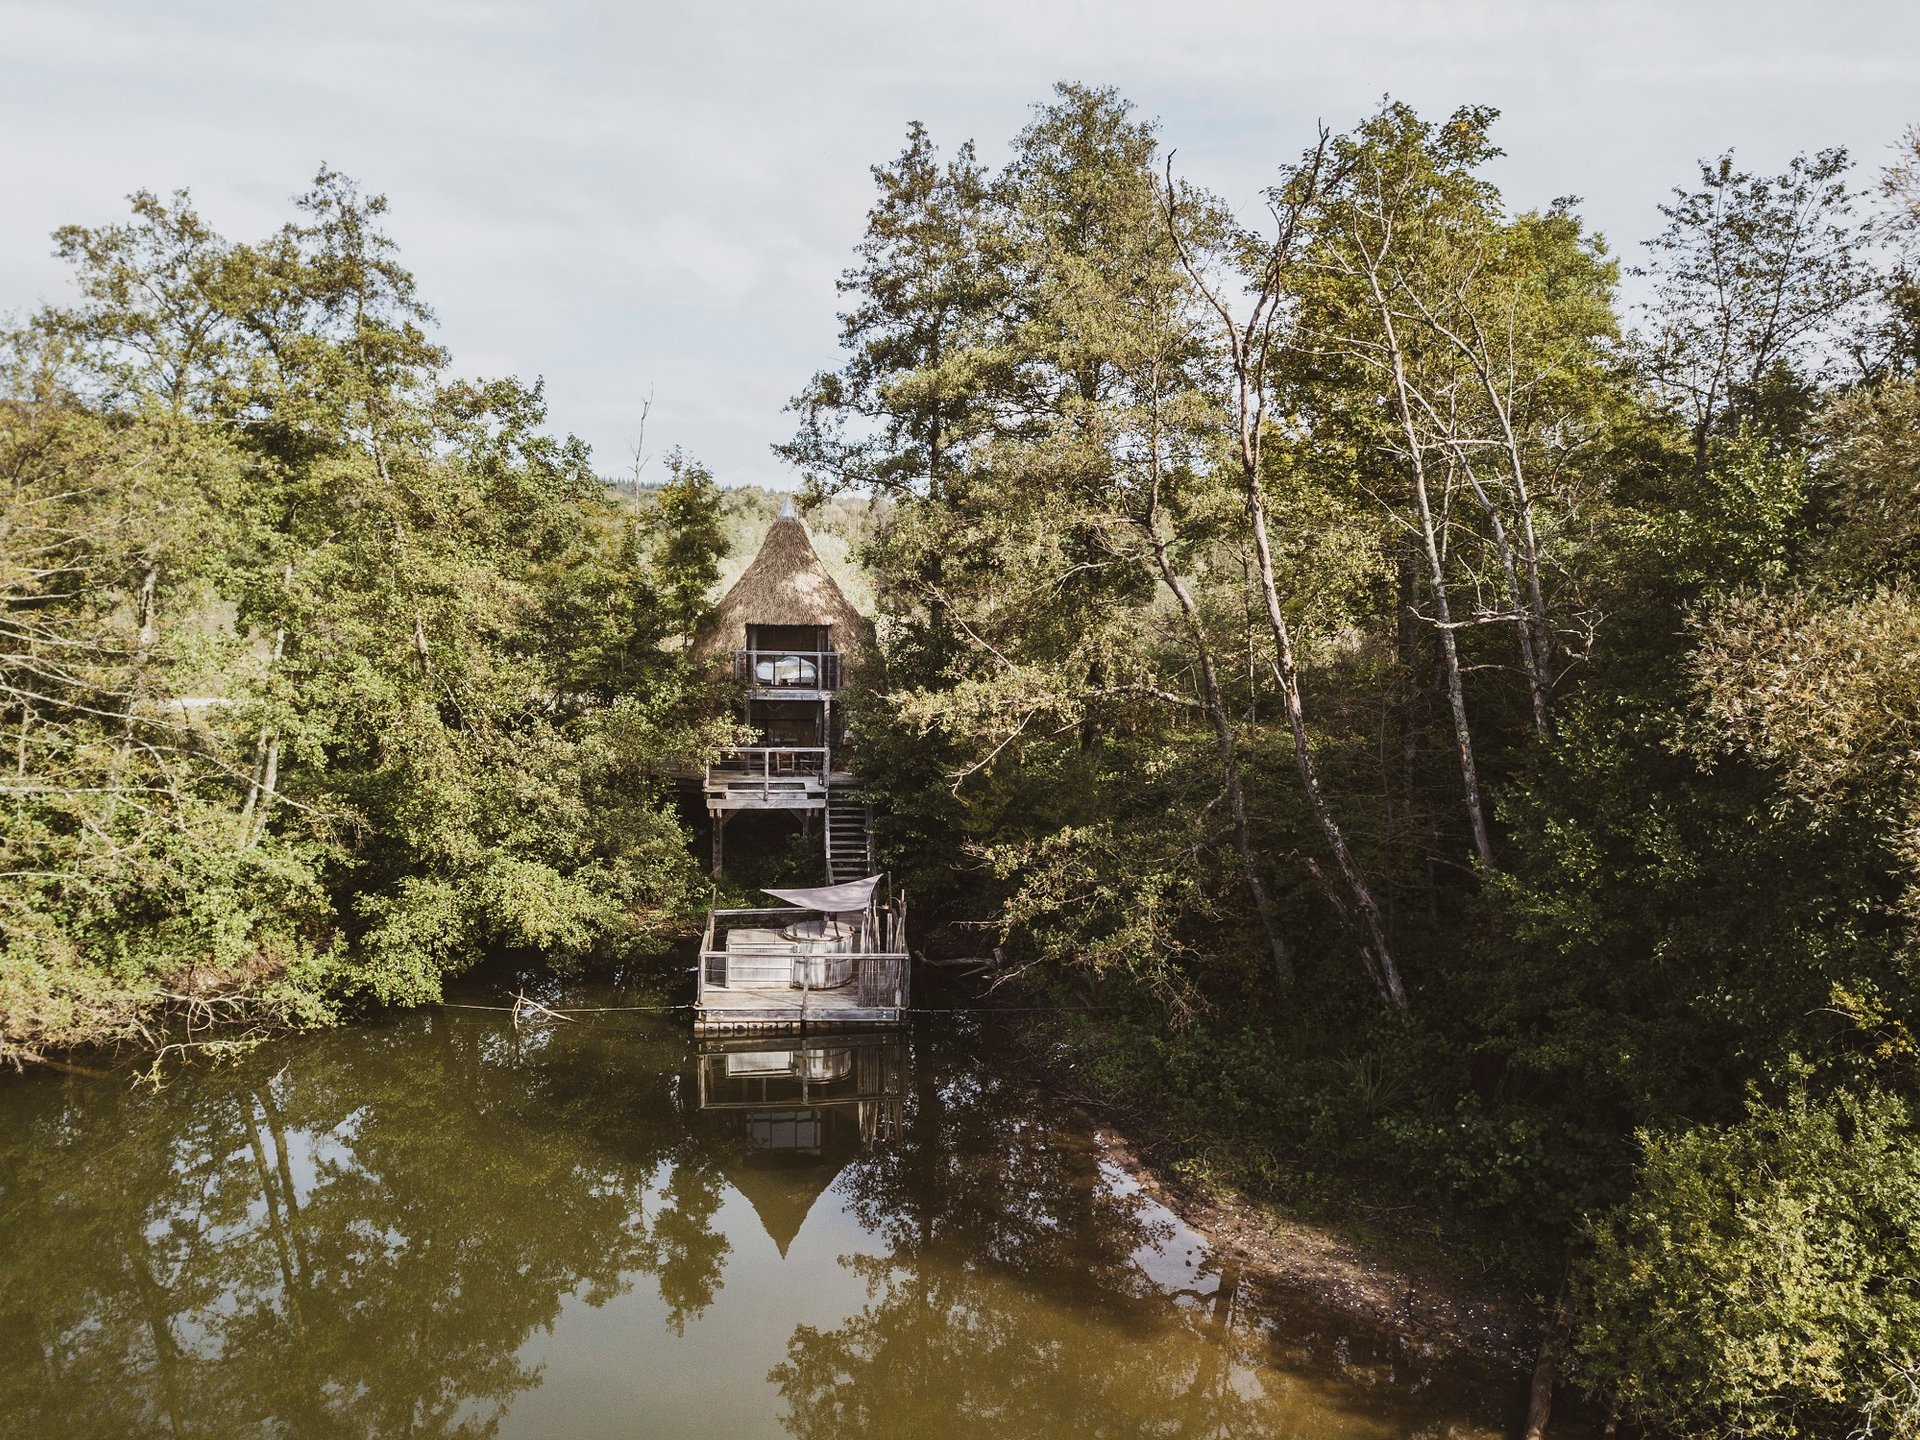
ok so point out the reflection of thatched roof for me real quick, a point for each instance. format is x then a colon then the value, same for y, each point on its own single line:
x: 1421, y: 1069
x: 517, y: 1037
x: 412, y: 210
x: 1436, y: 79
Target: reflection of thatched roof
x: 782, y: 1189
x: 785, y: 585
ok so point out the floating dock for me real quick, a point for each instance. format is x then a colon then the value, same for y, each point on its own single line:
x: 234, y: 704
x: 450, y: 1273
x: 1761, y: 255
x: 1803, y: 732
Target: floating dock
x: 834, y: 957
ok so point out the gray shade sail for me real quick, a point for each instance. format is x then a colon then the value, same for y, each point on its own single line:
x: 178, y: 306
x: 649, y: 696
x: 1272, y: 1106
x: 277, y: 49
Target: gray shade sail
x: 840, y: 899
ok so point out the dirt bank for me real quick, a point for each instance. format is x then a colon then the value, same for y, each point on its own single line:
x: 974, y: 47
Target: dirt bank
x: 1379, y: 1274
x: 1439, y: 1311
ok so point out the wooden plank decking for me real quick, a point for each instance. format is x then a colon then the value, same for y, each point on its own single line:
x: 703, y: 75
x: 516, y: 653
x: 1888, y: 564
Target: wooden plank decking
x: 750, y: 961
x: 784, y: 1010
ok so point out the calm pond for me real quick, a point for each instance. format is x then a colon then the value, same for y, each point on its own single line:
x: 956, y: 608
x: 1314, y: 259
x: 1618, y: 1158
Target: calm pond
x: 436, y: 1225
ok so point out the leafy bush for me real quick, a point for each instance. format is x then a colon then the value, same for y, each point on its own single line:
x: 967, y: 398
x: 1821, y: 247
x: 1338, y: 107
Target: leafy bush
x: 1764, y: 1278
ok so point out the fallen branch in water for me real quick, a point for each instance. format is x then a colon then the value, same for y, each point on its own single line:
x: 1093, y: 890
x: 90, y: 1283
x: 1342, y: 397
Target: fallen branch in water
x: 520, y: 999
x: 215, y: 1050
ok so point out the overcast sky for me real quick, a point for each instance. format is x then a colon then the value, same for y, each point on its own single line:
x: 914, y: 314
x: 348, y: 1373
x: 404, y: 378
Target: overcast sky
x: 643, y: 198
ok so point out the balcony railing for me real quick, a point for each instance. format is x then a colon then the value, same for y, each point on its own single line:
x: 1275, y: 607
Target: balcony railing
x: 749, y: 949
x: 788, y: 669
x: 771, y: 762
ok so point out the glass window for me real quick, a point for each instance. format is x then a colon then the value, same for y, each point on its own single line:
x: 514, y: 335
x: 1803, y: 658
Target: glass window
x: 786, y: 670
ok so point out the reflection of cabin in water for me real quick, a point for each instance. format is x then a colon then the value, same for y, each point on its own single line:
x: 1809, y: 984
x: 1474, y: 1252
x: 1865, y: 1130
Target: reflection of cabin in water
x: 787, y: 634
x: 803, y: 1111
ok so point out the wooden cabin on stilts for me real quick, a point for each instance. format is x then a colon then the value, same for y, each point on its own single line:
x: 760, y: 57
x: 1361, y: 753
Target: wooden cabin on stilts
x: 789, y: 635
x: 834, y: 955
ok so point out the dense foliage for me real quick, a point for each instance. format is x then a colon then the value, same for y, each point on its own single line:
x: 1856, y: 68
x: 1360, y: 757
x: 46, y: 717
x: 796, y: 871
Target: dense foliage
x: 1463, y: 734
x: 321, y: 671
x: 1467, y: 730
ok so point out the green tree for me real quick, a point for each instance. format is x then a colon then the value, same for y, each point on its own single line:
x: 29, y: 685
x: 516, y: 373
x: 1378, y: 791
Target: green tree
x: 1761, y: 282
x: 331, y: 670
x: 687, y: 558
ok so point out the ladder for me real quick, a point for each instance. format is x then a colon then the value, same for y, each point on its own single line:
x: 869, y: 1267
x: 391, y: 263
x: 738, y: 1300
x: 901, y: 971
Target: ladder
x: 849, y: 831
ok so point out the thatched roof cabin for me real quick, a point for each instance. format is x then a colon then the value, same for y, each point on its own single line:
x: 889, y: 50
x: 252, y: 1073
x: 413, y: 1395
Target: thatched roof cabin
x: 786, y: 585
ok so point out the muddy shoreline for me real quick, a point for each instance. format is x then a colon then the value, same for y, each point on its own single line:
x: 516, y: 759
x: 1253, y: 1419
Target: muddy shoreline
x: 1370, y: 1279
x: 1434, y: 1311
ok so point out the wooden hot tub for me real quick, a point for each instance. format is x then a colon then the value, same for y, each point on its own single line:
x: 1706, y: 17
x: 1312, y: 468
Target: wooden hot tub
x: 823, y: 960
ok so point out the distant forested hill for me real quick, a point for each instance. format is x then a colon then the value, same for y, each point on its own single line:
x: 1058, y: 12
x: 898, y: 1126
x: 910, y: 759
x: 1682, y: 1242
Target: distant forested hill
x: 841, y: 524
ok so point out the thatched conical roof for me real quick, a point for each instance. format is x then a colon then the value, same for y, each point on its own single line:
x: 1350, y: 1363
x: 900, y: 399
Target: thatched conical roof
x: 785, y: 585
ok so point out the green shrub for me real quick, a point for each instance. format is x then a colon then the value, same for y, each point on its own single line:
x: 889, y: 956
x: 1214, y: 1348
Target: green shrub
x: 1764, y: 1279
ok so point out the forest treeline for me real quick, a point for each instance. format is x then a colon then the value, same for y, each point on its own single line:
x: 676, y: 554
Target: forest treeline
x: 1463, y: 731
x: 321, y: 671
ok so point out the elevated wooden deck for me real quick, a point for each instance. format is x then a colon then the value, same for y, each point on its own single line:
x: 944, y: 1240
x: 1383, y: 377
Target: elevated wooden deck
x: 769, y: 777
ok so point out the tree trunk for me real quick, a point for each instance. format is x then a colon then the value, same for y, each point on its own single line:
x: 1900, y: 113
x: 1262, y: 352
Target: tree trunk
x: 1537, y: 635
x: 1552, y: 1343
x: 266, y: 751
x: 136, y: 692
x: 1437, y: 577
x: 1530, y: 555
x: 1229, y: 764
x: 1522, y: 612
x: 269, y: 779
x: 1378, y: 958
x: 1248, y: 347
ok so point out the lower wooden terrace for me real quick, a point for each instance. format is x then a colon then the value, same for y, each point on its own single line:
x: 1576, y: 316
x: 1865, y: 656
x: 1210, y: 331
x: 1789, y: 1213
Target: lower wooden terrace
x: 800, y: 968
x: 769, y: 777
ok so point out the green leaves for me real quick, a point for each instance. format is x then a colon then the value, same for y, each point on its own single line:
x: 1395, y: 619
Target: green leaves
x: 1764, y: 1280
x: 321, y: 671
x: 686, y: 561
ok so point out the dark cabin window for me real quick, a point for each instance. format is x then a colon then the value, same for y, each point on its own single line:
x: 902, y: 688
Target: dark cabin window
x: 786, y: 724
x: 802, y: 638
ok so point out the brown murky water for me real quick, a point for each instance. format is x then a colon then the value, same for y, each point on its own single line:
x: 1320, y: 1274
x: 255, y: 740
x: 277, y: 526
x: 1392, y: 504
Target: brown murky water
x: 436, y: 1225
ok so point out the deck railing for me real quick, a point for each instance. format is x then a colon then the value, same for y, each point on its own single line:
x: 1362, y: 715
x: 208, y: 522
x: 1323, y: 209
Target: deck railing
x: 772, y: 769
x: 788, y: 669
x: 881, y: 975
x: 772, y: 762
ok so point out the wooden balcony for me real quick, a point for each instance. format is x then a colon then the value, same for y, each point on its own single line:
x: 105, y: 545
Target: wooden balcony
x: 795, y: 674
x: 770, y: 777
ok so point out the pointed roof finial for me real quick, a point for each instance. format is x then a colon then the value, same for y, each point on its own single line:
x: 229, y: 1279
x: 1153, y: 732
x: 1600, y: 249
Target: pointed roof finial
x: 786, y: 510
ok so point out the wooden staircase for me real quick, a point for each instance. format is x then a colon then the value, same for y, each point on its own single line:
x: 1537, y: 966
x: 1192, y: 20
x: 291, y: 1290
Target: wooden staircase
x: 849, y: 837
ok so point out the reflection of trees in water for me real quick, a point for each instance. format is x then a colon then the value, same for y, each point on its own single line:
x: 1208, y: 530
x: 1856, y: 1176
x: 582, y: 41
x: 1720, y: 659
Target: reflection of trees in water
x: 946, y: 1350
x: 357, y: 1245
x: 985, y: 1169
x: 1008, y: 1301
x: 1007, y: 1296
x: 362, y: 1243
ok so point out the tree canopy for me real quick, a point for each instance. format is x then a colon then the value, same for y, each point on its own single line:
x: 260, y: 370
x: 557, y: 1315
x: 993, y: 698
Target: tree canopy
x: 323, y: 670
x: 1462, y: 725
